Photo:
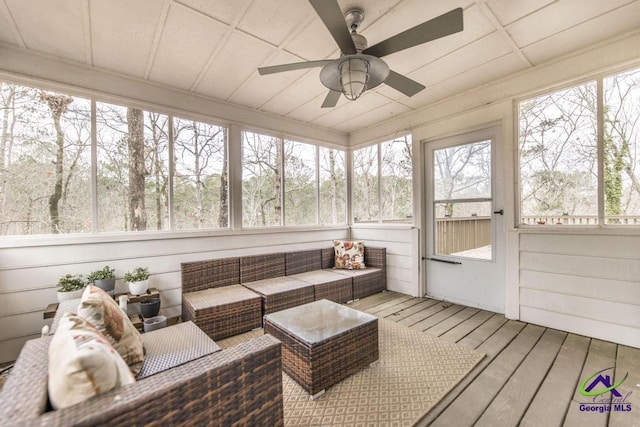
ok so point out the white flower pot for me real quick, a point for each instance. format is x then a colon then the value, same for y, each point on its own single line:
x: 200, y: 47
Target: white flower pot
x: 138, y: 288
x: 64, y: 296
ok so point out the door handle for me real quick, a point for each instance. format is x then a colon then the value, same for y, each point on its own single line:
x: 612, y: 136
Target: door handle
x: 501, y: 212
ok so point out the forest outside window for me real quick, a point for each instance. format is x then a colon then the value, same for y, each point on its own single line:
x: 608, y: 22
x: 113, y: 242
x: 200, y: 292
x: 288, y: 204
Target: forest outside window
x: 47, y: 167
x: 291, y: 183
x: 383, y: 182
x: 565, y: 137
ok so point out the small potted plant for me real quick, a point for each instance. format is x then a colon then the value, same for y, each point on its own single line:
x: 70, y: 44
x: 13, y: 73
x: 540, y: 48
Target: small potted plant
x: 138, y: 280
x: 70, y: 287
x: 105, y: 279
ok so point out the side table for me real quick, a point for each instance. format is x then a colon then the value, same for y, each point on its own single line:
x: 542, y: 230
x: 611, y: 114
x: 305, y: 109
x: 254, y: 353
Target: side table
x: 173, y: 314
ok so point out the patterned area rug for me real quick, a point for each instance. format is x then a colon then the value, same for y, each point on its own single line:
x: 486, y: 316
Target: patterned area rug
x: 414, y: 372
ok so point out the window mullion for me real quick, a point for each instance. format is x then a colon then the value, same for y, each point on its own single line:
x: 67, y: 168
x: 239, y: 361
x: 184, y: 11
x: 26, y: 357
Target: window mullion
x: 94, y: 169
x: 171, y: 173
x: 601, y: 153
x: 379, y: 182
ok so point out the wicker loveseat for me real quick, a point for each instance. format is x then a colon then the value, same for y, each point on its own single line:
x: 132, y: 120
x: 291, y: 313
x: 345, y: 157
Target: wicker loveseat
x: 241, y: 385
x: 227, y: 296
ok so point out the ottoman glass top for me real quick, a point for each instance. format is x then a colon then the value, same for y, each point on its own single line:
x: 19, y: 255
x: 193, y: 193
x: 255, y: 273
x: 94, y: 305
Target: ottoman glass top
x: 319, y: 320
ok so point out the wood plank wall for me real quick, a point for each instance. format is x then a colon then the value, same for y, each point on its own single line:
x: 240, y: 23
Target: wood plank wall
x: 403, y: 261
x: 583, y: 283
x: 29, y: 273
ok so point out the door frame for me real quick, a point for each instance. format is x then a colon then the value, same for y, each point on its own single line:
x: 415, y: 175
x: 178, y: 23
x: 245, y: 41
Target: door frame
x: 494, y: 132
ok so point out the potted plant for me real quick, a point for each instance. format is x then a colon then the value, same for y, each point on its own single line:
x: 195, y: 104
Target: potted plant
x: 70, y: 287
x: 138, y: 280
x: 104, y: 279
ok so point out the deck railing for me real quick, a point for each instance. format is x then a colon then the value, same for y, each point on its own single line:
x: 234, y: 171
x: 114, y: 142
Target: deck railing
x: 461, y: 234
x: 578, y: 220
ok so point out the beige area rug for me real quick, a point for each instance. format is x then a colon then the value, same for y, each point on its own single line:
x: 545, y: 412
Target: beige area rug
x: 414, y: 372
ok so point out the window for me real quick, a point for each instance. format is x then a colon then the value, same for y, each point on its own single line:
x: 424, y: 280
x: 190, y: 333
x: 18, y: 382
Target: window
x: 622, y: 148
x: 261, y: 180
x: 45, y: 162
x: 200, y: 183
x: 559, y: 160
x: 285, y: 181
x: 76, y: 165
x: 382, y: 182
x: 333, y: 187
x: 300, y: 184
x: 133, y: 169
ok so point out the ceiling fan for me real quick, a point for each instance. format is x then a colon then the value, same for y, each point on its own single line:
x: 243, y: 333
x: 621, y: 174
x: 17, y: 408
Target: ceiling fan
x: 359, y: 67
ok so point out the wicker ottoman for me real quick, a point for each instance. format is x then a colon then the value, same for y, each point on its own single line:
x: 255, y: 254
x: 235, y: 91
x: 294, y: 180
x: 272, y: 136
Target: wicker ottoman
x: 224, y: 311
x: 280, y: 293
x: 323, y: 342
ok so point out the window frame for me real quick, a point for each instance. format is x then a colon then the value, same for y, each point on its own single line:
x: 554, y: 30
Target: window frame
x: 234, y: 166
x: 598, y: 79
x: 380, y: 220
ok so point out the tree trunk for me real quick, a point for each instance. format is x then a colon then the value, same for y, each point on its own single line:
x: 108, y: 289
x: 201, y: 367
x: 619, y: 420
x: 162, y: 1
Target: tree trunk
x: 334, y: 187
x: 58, y: 105
x: 223, y: 215
x: 137, y: 172
x: 278, y: 183
x: 6, y: 143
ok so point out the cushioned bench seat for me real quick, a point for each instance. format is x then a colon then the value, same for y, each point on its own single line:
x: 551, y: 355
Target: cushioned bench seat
x: 224, y: 311
x: 328, y: 285
x: 279, y: 293
x: 169, y: 347
x: 365, y: 282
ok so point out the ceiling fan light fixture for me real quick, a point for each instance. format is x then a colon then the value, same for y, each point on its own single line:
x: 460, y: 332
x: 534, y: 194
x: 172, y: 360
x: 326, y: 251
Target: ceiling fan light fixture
x: 354, y: 74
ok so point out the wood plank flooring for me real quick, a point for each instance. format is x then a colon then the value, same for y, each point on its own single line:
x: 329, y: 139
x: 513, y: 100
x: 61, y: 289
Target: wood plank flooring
x: 531, y: 375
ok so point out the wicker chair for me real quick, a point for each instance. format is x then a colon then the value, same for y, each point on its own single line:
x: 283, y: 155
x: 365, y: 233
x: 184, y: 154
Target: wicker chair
x: 213, y: 298
x: 241, y: 385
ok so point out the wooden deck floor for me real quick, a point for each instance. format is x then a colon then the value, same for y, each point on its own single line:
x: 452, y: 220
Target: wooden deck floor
x: 530, y: 376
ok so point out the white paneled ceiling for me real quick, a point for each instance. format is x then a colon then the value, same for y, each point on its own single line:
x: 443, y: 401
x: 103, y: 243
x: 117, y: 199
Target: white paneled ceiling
x: 214, y: 47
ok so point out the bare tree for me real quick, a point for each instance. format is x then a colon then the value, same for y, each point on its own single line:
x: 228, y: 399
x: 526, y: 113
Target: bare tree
x: 58, y: 105
x: 137, y: 170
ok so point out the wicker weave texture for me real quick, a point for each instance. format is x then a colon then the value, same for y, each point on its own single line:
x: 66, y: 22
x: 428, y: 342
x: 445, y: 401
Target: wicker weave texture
x: 238, y: 386
x: 213, y: 273
x: 317, y: 366
x: 329, y: 258
x: 282, y: 292
x: 221, y: 318
x: 339, y: 291
x: 259, y: 267
x: 303, y: 261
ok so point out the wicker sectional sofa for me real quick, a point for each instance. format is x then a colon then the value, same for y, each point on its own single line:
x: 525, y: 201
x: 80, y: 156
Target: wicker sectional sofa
x: 241, y: 385
x: 228, y: 296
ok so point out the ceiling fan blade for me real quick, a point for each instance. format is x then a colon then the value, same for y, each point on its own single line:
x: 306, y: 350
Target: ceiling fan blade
x: 444, y: 25
x: 330, y: 13
x: 294, y: 66
x: 403, y: 84
x: 332, y: 99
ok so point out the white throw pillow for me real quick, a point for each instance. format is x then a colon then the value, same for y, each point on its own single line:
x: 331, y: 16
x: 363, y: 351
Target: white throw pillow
x: 82, y: 363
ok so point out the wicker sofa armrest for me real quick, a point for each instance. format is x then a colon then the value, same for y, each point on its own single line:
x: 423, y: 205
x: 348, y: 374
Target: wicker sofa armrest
x: 375, y: 257
x: 239, y: 385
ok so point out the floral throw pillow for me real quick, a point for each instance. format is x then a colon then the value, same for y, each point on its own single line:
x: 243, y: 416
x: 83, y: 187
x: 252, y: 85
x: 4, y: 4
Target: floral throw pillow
x: 349, y: 254
x: 82, y: 363
x: 101, y: 310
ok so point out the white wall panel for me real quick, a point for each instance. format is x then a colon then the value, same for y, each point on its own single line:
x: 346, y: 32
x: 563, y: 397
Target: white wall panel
x: 402, y: 254
x: 591, y: 287
x: 614, y: 313
x: 581, y: 325
x: 582, y: 281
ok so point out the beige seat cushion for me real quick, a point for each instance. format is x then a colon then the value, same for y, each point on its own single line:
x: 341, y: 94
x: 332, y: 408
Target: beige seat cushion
x: 82, y: 363
x: 101, y: 310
